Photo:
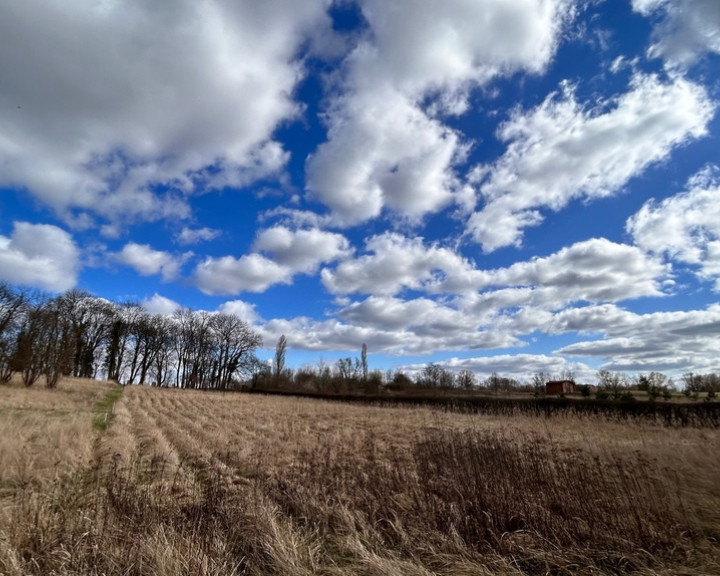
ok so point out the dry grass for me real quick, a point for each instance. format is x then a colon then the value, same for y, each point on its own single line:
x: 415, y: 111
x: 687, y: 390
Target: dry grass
x: 46, y: 433
x: 202, y: 483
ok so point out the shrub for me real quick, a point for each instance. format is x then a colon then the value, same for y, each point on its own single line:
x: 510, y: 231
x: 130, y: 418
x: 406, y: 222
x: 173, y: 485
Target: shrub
x: 602, y: 395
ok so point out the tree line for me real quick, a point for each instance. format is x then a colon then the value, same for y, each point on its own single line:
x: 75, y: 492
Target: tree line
x: 77, y: 334
x: 350, y: 375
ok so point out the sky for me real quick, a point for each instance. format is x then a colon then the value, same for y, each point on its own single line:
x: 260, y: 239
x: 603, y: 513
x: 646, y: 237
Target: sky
x: 508, y: 187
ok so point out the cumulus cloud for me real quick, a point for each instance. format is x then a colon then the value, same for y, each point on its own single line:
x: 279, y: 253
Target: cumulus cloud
x: 39, y: 255
x: 106, y: 110
x: 147, y: 261
x: 532, y: 296
x: 395, y: 313
x: 675, y: 341
x: 493, y: 308
x: 333, y: 334
x: 685, y: 227
x: 521, y: 367
x: 195, y: 235
x: 293, y: 251
x: 383, y: 151
x: 160, y: 305
x: 685, y: 29
x: 562, y: 150
x: 249, y: 273
x: 241, y: 309
x: 387, y: 147
x: 318, y: 335
x: 394, y: 262
x: 594, y: 270
x: 302, y: 250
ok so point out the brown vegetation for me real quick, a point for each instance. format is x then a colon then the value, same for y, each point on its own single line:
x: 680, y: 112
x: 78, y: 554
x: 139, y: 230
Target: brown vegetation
x: 185, y: 482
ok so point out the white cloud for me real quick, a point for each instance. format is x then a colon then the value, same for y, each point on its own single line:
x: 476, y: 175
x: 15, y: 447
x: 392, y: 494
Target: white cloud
x: 383, y: 151
x: 562, y: 151
x: 249, y: 273
x: 395, y: 262
x: 594, y: 270
x: 241, y: 309
x: 420, y: 45
x: 387, y: 146
x: 160, y: 305
x: 296, y: 218
x: 195, y: 235
x: 308, y: 334
x: 298, y: 251
x: 685, y: 227
x: 302, y: 250
x: 671, y: 341
x: 685, y: 31
x: 110, y: 101
x: 39, y: 255
x: 492, y: 308
x: 426, y: 315
x: 147, y: 261
x: 521, y: 367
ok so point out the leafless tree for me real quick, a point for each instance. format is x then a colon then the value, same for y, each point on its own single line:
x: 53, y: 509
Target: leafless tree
x: 612, y: 382
x: 29, y: 353
x: 435, y: 376
x: 540, y: 379
x: 279, y: 361
x: 13, y: 304
x: 466, y: 379
x: 235, y: 344
x: 120, y: 335
x: 364, y: 361
x: 348, y: 368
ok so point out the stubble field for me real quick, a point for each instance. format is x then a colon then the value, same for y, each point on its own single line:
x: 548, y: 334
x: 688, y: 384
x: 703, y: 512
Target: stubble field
x: 182, y: 482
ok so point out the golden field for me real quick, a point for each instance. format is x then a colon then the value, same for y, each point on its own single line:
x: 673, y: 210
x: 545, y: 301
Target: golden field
x: 183, y: 482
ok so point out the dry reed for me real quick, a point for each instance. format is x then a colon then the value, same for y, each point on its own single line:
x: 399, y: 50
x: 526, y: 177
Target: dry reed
x: 198, y: 483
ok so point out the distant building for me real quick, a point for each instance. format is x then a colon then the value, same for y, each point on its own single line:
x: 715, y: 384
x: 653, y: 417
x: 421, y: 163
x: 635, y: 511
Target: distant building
x: 560, y: 387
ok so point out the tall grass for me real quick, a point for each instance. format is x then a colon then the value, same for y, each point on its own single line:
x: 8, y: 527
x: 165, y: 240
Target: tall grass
x: 185, y: 483
x: 474, y: 492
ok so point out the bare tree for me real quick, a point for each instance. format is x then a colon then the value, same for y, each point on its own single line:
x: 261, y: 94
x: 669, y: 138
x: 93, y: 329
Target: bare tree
x: 189, y: 346
x: 435, y: 376
x: 493, y: 382
x: 44, y: 343
x: 279, y: 362
x: 235, y: 344
x: 612, y: 382
x: 466, y: 379
x: 57, y: 343
x: 167, y: 332
x: 121, y: 327
x: 13, y: 304
x: 348, y: 368
x: 567, y: 374
x: 29, y: 350
x: 364, y: 361
x: 540, y: 379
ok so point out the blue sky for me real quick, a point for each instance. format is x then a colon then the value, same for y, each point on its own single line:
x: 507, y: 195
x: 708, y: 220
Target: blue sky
x: 500, y: 186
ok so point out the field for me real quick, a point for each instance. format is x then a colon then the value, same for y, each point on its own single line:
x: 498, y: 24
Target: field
x: 182, y: 482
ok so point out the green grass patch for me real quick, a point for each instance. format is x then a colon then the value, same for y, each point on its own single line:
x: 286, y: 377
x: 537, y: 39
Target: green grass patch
x: 104, y: 409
